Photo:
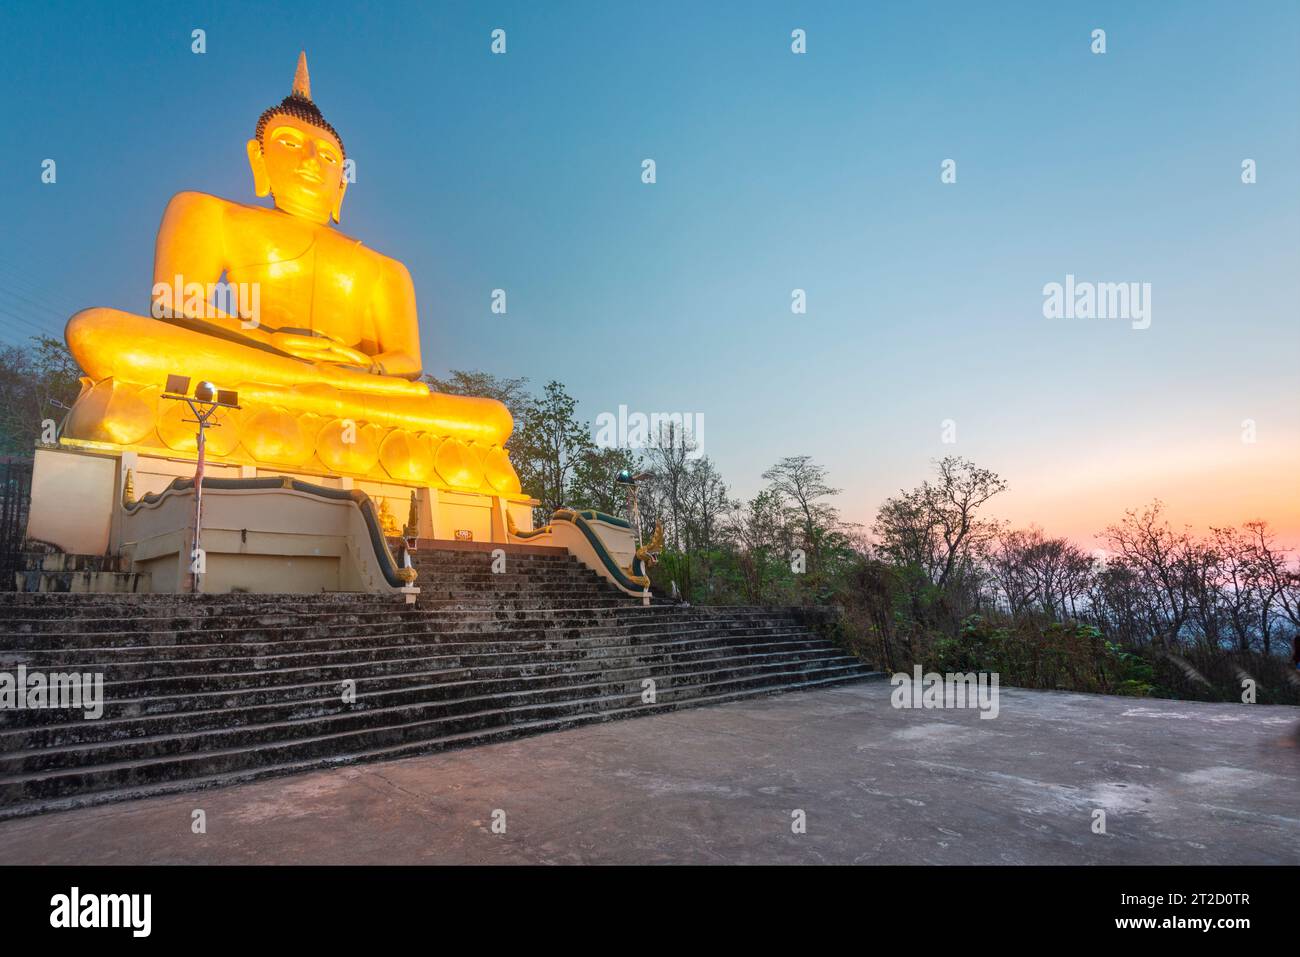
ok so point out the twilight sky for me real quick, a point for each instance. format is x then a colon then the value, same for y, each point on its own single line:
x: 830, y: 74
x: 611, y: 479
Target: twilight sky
x: 775, y: 171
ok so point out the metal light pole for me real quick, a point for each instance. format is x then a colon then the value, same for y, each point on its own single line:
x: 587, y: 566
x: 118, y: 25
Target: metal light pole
x: 629, y: 483
x: 204, y: 404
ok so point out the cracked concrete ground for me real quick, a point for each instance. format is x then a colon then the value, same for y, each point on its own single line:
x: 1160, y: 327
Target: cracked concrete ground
x: 1180, y: 783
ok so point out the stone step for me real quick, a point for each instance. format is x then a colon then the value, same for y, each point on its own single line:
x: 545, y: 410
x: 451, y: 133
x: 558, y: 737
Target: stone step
x: 147, y: 699
x: 30, y: 618
x: 117, y: 633
x: 193, y: 675
x: 153, y: 678
x: 331, y: 737
x: 197, y: 604
x: 490, y: 735
x: 110, y: 739
x: 454, y: 550
x: 451, y: 551
x: 479, y: 602
x: 280, y: 611
x: 213, y: 689
x: 520, y: 628
x: 394, y: 752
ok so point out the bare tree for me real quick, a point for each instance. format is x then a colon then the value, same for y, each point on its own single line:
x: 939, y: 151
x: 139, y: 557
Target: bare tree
x: 705, y: 495
x: 1279, y: 585
x: 1206, y: 565
x: 1117, y: 604
x: 757, y: 530
x: 1159, y: 560
x: 800, y: 485
x: 1036, y: 573
x: 669, y: 456
x: 1010, y: 570
x: 938, y: 526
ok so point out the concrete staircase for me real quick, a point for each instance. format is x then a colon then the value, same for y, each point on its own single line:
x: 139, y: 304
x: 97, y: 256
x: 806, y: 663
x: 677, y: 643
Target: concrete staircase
x: 61, y: 572
x: 210, y: 690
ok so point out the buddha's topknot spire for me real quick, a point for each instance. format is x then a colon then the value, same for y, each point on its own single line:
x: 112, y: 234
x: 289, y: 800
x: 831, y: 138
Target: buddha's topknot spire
x: 299, y: 104
x: 301, y: 81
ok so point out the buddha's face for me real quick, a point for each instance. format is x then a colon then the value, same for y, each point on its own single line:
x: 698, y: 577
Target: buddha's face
x: 301, y: 166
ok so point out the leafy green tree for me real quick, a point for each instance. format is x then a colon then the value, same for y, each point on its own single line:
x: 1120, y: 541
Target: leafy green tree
x: 550, y: 448
x: 37, y: 383
x: 593, y: 484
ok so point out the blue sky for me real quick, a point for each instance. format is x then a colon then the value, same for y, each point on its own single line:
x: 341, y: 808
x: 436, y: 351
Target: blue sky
x: 775, y: 172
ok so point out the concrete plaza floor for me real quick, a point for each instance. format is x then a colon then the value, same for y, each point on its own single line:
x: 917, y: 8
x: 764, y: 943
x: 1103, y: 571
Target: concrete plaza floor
x: 1179, y: 782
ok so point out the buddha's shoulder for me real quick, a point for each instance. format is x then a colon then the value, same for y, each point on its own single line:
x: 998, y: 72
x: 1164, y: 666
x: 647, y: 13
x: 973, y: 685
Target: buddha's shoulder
x: 191, y: 208
x: 193, y: 199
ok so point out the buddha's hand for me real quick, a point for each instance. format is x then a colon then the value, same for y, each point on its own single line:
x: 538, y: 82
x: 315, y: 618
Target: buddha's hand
x: 304, y: 347
x: 320, y: 349
x: 347, y: 356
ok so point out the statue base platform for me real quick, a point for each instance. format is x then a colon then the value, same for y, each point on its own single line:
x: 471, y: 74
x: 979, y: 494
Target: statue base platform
x: 117, y: 416
x: 270, y: 523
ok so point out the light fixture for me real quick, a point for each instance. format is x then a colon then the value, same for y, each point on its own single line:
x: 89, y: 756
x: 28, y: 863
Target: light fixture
x: 625, y: 477
x: 204, y: 403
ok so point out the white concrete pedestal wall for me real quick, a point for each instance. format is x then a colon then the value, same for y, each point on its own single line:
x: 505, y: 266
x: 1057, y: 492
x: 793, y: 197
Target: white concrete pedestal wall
x: 278, y: 540
x: 77, y: 496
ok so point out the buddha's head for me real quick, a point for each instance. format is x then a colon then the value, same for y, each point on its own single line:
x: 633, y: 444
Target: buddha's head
x: 297, y: 157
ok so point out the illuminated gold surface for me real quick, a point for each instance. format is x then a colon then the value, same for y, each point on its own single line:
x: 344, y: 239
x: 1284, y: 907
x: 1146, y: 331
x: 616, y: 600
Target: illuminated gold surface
x: 387, y: 520
x: 326, y: 376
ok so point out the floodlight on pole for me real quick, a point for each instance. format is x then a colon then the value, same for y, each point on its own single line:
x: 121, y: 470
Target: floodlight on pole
x: 203, y: 403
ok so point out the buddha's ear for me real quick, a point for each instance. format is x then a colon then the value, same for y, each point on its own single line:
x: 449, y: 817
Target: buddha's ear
x: 257, y: 162
x: 338, y: 201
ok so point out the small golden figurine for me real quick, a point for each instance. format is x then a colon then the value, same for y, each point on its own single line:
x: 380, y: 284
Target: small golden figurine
x: 387, y: 520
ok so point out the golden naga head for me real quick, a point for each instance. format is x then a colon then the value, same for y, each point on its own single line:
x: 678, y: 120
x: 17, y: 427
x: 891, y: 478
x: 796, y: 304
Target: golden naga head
x: 297, y: 157
x: 649, y: 552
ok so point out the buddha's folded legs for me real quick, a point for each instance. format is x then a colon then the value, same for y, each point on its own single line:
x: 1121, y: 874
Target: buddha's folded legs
x: 140, y: 350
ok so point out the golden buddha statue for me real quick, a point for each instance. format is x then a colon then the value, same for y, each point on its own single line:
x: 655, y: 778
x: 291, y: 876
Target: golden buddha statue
x: 327, y: 363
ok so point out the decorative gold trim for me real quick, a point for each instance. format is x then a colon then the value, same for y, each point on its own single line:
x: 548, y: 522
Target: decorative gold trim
x: 512, y: 530
x: 94, y: 446
x: 128, y: 489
